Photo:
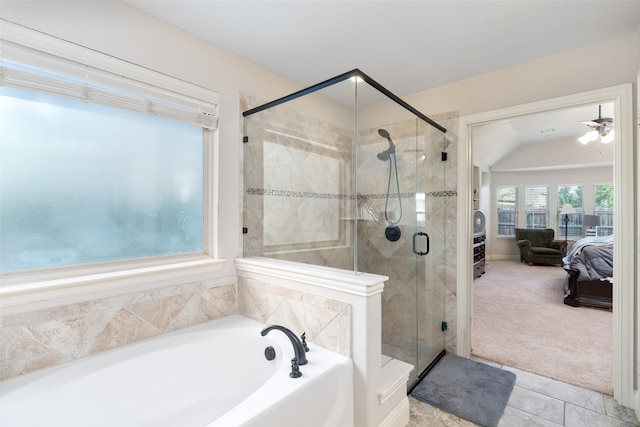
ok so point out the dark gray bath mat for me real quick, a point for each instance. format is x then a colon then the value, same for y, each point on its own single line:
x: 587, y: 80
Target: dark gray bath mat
x: 471, y: 390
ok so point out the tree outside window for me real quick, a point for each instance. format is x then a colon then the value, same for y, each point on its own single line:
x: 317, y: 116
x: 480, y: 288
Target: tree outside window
x: 572, y: 195
x: 604, y: 208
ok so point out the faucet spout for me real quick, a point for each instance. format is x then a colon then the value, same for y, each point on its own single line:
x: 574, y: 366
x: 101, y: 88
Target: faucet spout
x: 298, y: 348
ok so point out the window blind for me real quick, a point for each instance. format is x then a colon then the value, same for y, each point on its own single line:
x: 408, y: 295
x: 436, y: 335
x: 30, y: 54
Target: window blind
x: 536, y: 198
x: 536, y: 206
x: 49, y: 65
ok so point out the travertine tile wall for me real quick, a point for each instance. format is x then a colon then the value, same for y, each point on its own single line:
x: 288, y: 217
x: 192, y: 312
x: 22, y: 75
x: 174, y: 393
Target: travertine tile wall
x: 39, y: 339
x: 326, y: 322
x: 375, y: 253
x: 432, y: 285
x: 297, y: 181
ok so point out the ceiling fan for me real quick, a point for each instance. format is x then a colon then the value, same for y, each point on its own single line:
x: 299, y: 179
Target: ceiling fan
x: 602, y: 127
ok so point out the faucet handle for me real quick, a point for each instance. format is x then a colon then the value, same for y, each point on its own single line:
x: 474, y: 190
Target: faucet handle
x: 303, y: 339
x: 295, y: 369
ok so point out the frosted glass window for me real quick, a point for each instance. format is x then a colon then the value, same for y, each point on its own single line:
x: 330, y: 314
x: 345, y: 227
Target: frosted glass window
x: 84, y: 183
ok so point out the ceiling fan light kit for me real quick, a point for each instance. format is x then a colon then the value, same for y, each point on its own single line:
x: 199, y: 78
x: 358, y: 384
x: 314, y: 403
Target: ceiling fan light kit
x: 601, y: 127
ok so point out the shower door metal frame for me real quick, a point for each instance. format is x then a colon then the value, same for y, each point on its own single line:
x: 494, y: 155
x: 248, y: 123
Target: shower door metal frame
x: 356, y: 74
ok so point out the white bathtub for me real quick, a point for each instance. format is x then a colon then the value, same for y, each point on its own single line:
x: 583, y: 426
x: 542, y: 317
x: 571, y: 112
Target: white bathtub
x: 214, y: 374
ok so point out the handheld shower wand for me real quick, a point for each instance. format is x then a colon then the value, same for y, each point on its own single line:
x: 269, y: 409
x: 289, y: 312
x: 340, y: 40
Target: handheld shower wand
x: 392, y: 232
x: 386, y: 155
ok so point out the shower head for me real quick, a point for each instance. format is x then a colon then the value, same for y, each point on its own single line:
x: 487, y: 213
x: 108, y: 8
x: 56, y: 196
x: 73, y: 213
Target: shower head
x: 383, y: 133
x: 386, y: 154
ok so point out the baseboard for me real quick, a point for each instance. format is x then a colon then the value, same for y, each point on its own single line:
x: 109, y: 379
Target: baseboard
x: 503, y: 257
x: 399, y: 416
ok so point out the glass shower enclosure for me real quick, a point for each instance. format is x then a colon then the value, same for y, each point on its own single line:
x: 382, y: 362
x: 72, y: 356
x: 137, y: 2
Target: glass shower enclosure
x: 345, y: 174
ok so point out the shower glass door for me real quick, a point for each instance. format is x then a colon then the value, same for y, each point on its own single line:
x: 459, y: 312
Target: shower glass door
x: 431, y: 203
x: 401, y: 228
x: 344, y: 175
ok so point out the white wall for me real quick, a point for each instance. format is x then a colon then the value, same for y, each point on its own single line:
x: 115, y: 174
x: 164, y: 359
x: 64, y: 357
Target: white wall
x: 505, y: 248
x: 567, y: 73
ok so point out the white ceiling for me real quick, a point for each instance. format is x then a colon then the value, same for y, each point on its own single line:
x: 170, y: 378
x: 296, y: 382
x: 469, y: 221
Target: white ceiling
x: 558, y: 127
x: 407, y: 46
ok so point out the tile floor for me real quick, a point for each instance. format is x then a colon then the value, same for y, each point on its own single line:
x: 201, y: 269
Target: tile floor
x: 538, y: 401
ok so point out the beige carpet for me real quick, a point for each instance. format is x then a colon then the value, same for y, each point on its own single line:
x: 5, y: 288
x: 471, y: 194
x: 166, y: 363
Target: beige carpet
x: 519, y: 320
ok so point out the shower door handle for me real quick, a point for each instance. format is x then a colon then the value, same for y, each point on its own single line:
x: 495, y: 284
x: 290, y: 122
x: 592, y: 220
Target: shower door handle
x: 415, y: 251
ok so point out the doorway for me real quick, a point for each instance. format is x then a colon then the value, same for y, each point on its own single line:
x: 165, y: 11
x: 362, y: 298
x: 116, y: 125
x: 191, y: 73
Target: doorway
x: 623, y: 218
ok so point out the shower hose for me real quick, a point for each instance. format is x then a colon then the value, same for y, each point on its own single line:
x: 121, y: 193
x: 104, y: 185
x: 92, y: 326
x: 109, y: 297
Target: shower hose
x: 386, y: 202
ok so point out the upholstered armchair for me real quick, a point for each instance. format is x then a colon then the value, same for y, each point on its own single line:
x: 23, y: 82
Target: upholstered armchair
x: 538, y: 246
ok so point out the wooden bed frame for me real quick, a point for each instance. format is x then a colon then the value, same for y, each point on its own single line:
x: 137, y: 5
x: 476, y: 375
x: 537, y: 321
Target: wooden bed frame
x: 589, y: 293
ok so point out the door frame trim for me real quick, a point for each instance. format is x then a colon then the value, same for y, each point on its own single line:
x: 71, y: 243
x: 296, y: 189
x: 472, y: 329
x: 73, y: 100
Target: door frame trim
x: 624, y: 215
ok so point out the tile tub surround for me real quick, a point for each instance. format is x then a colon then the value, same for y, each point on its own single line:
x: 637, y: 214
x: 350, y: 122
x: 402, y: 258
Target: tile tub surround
x: 40, y: 339
x: 345, y: 308
x: 326, y: 321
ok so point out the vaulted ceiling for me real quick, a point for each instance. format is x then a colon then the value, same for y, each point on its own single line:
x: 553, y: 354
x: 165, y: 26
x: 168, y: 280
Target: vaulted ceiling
x: 553, y: 133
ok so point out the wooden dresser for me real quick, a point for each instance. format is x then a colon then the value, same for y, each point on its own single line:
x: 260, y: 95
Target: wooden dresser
x: 479, y: 253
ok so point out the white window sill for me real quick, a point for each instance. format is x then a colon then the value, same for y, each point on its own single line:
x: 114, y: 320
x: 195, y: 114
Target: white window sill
x: 20, y: 294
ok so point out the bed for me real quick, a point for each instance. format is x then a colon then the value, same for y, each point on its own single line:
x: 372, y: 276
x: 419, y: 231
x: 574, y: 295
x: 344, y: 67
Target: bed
x: 589, y: 267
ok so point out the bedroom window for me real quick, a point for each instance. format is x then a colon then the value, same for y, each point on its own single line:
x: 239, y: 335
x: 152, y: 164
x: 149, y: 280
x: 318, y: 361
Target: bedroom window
x: 507, y: 210
x: 107, y: 172
x: 536, y: 207
x: 572, y: 195
x: 604, y: 208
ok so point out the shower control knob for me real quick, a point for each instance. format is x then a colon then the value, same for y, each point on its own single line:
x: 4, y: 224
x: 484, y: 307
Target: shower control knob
x: 392, y: 233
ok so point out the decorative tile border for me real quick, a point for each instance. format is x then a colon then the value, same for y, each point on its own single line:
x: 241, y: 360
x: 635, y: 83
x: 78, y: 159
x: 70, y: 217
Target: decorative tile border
x: 312, y: 195
x: 289, y: 193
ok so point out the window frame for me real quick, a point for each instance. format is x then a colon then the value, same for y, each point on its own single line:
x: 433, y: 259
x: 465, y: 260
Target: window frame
x: 575, y: 219
x: 528, y: 211
x: 606, y: 227
x: 515, y: 210
x: 43, y: 288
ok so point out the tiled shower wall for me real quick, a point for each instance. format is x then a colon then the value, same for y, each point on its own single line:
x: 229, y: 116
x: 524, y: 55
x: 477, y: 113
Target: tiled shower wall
x: 297, y: 181
x: 288, y: 128
x: 421, y: 169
